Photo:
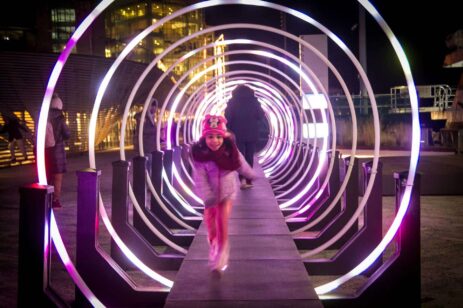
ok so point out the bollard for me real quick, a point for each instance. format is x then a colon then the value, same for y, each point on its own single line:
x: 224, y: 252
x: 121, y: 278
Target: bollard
x: 135, y: 241
x: 333, y: 188
x: 168, y: 197
x: 155, y: 214
x: 140, y: 163
x: 167, y: 163
x: 119, y: 208
x: 324, y: 201
x: 409, y: 241
x: 349, y: 206
x: 295, y: 189
x: 34, y: 255
x: 350, y: 200
x: 364, y: 241
x: 373, y: 213
x: 102, y: 274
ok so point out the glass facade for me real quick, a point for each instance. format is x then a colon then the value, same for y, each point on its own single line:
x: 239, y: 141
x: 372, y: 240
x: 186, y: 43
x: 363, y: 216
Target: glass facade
x: 63, y: 22
x: 124, y: 22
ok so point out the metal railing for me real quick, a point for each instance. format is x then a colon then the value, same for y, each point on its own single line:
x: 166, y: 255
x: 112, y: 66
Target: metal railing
x: 441, y: 95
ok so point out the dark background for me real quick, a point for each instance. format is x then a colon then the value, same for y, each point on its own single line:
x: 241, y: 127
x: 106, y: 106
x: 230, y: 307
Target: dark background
x: 421, y: 29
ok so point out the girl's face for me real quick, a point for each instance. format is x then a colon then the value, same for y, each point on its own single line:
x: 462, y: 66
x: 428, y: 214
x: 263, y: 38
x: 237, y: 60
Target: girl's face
x: 214, y: 141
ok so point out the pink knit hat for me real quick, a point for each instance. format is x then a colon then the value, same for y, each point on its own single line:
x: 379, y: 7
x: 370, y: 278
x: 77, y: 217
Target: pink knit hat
x: 214, y: 124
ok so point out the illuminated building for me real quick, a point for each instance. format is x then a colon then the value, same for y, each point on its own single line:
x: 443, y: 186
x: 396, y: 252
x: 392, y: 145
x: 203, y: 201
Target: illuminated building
x: 30, y: 47
x: 124, y: 21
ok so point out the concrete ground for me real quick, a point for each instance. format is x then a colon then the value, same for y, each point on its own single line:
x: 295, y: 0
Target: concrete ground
x: 441, y: 225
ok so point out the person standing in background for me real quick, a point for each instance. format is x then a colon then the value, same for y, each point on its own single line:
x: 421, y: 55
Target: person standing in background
x: 16, y: 134
x: 244, y: 114
x: 149, y: 129
x: 55, y: 153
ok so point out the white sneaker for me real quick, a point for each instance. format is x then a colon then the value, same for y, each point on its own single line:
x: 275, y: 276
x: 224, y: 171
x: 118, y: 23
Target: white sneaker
x: 223, y: 259
x: 243, y: 184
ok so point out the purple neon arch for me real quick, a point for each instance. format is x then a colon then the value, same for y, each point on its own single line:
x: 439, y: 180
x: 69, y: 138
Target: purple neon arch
x: 415, y: 142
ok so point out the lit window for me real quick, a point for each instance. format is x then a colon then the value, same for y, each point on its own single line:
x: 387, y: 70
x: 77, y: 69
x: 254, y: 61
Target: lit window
x: 107, y: 53
x: 315, y: 130
x: 314, y: 101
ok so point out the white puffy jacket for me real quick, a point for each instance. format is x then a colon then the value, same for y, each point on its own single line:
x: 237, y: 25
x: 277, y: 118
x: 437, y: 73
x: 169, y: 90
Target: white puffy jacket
x: 213, y: 185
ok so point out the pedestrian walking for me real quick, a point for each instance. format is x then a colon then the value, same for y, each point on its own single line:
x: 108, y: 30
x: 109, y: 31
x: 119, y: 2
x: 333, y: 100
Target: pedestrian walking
x: 16, y: 133
x: 244, y: 115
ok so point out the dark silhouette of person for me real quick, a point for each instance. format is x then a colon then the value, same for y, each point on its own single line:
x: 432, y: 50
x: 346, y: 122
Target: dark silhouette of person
x: 55, y: 155
x: 149, y: 129
x: 244, y: 115
x: 16, y: 134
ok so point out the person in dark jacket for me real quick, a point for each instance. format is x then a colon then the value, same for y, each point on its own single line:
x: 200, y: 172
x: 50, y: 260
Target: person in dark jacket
x: 15, y: 136
x: 55, y: 156
x: 149, y: 129
x: 244, y: 114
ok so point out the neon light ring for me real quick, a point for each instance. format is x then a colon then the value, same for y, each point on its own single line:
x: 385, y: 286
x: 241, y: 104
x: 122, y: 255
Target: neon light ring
x: 404, y: 64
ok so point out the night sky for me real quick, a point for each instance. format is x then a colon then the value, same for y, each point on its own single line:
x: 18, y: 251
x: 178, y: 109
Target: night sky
x: 421, y: 30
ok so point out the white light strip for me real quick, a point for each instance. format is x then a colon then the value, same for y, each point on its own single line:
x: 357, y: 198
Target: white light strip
x: 41, y: 127
x: 185, y: 171
x: 150, y: 226
x: 164, y: 207
x: 404, y: 204
x: 314, y: 101
x: 128, y: 253
x: 70, y: 268
x: 173, y: 191
x: 40, y: 153
x: 315, y: 130
x: 184, y: 186
x: 234, y: 41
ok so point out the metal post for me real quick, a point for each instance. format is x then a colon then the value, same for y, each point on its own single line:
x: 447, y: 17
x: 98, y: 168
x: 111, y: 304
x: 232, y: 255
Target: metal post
x: 169, y: 197
x: 409, y: 239
x: 398, y: 281
x: 139, y: 190
x: 360, y: 245
x: 333, y: 188
x: 135, y: 241
x: 373, y: 213
x: 34, y: 256
x: 103, y: 276
x: 350, y: 199
x: 363, y: 59
x: 349, y: 206
x: 119, y: 208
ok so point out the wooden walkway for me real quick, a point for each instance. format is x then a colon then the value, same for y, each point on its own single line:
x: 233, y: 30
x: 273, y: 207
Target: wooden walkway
x: 265, y: 269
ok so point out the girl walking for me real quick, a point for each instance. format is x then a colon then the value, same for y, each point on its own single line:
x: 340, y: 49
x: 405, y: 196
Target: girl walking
x: 217, y: 162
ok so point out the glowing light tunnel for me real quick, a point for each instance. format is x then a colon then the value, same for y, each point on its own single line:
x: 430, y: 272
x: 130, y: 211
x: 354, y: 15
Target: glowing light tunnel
x: 283, y: 121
